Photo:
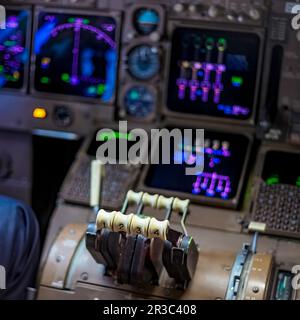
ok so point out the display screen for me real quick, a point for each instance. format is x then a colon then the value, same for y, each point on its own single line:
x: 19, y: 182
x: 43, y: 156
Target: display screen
x: 76, y: 55
x: 224, y: 158
x: 213, y: 73
x: 101, y: 137
x: 284, y: 288
x: 13, y: 51
x: 281, y: 167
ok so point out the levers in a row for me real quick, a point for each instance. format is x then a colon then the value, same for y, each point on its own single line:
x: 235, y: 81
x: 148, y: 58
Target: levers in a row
x: 136, y: 248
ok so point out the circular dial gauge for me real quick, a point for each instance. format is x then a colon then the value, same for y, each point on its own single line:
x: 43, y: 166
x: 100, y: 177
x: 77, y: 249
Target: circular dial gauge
x: 146, y: 21
x: 139, y: 102
x: 144, y: 62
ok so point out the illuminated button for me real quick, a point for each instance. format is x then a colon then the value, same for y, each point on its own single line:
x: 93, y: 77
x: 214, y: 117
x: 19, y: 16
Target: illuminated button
x: 236, y: 81
x: 222, y: 43
x: 16, y: 75
x: 45, y: 80
x: 185, y: 64
x: 39, y: 113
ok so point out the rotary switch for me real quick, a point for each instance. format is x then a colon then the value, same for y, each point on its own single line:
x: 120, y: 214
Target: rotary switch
x: 179, y: 7
x: 213, y: 11
x: 254, y: 14
x: 5, y: 165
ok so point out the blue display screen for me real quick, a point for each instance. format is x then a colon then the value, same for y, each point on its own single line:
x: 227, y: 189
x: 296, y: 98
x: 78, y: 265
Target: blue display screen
x: 224, y: 158
x: 14, y: 54
x: 76, y: 55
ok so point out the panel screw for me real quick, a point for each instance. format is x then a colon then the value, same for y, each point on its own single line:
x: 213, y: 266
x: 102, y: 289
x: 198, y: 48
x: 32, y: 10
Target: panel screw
x: 84, y: 276
x: 255, y: 289
x: 59, y: 258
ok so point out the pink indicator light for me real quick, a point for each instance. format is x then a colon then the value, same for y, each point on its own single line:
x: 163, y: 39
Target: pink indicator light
x: 221, y: 67
x: 209, y: 66
x: 12, y: 22
x: 197, y: 65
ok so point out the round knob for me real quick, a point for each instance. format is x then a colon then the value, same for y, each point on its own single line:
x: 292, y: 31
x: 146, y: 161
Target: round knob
x: 213, y: 11
x: 63, y: 116
x: 5, y: 165
x: 192, y: 8
x: 154, y: 36
x: 178, y: 7
x: 254, y: 14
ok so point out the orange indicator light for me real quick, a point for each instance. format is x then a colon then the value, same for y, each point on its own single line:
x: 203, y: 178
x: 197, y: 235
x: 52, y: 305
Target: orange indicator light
x: 39, y: 113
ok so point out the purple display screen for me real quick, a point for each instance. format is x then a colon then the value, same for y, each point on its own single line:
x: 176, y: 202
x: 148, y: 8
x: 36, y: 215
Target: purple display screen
x: 14, y: 54
x: 76, y: 55
x: 213, y: 73
x: 224, y: 158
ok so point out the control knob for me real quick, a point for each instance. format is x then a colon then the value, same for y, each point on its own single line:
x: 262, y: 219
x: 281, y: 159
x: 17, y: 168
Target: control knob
x: 179, y: 7
x: 231, y: 15
x: 254, y: 14
x: 213, y: 11
x: 192, y: 8
x: 63, y: 116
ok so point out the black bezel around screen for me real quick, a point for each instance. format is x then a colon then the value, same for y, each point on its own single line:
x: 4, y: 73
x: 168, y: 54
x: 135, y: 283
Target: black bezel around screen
x: 22, y: 84
x: 242, y: 48
x: 159, y: 184
x: 58, y: 91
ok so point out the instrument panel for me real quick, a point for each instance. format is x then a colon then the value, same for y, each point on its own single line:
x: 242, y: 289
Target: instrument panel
x: 158, y: 65
x: 225, y: 160
x: 69, y: 68
x: 214, y: 60
x: 216, y: 73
